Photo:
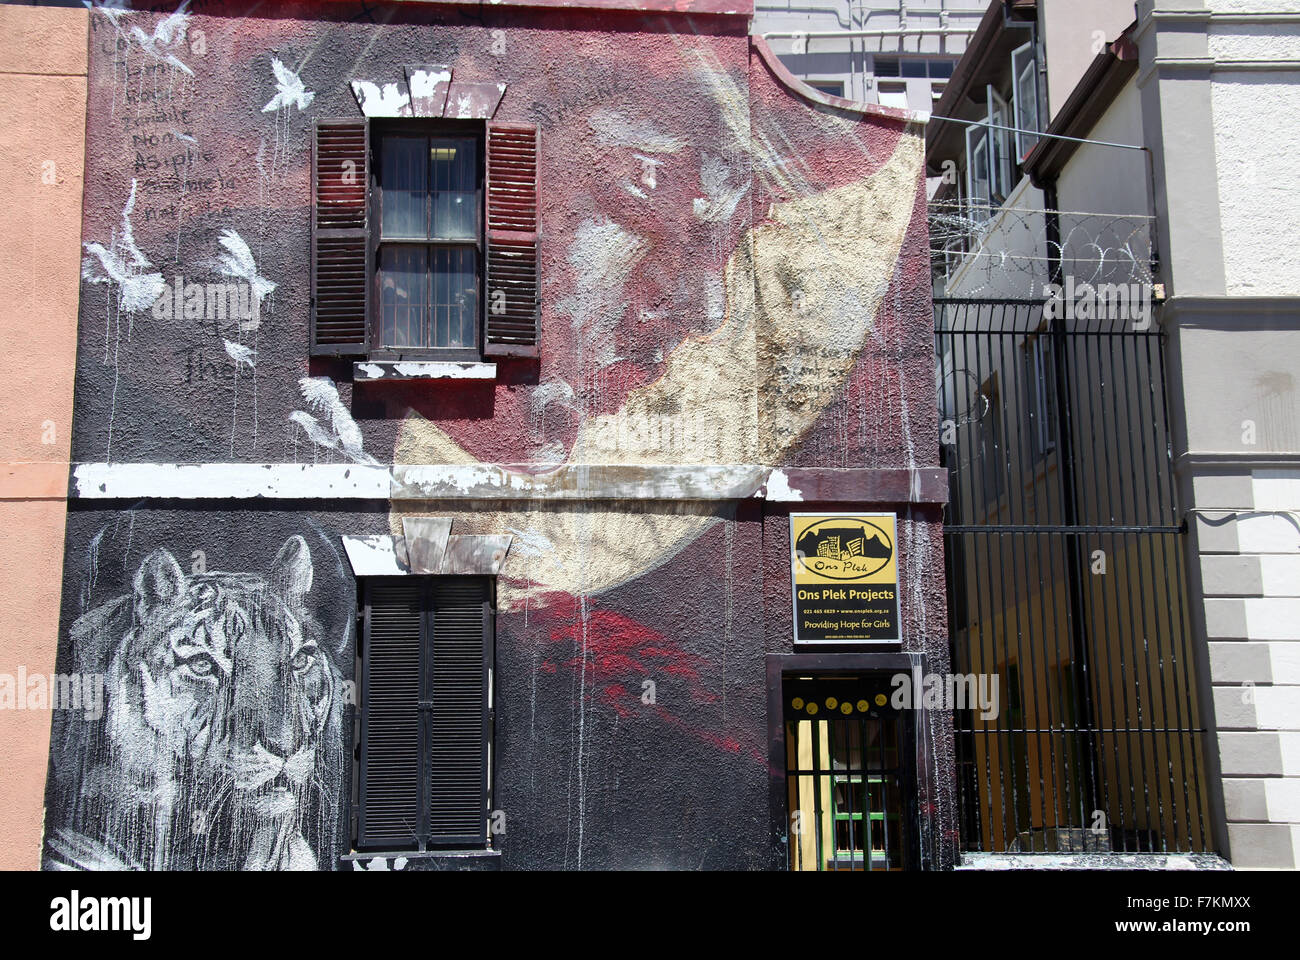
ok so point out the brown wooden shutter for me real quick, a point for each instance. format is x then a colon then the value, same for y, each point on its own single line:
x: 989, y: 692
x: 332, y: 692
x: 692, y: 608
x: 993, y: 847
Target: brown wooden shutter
x: 340, y: 276
x: 513, y: 302
x: 457, y: 673
x: 388, y: 816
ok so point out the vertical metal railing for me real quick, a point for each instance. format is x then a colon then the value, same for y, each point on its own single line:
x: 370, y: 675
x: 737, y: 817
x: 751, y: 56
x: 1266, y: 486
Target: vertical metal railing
x: 1066, y: 583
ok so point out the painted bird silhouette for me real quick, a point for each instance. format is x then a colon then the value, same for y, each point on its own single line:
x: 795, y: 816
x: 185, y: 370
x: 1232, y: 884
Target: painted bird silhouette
x: 167, y: 32
x: 338, y: 431
x: 289, y: 90
x: 125, y: 265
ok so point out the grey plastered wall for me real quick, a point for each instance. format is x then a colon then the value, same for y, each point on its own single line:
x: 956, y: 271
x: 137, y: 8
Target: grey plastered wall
x: 1233, y: 364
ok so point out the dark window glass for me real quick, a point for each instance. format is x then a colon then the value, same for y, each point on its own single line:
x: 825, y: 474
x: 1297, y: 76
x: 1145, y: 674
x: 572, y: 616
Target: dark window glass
x: 404, y: 295
x: 455, y: 296
x: 914, y: 68
x: 454, y: 183
x: 835, y: 89
x: 404, y: 175
x: 941, y: 69
x: 885, y: 68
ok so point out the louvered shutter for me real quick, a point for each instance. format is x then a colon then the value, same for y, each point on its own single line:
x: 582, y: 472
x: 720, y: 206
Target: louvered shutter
x: 389, y: 812
x: 340, y: 278
x: 458, y: 712
x: 513, y: 301
x: 424, y: 713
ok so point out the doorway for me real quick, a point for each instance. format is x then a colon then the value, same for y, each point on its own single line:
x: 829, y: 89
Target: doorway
x: 849, y: 773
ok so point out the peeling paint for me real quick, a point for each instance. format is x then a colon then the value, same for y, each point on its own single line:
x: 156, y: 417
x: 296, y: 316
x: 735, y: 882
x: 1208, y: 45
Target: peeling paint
x: 424, y: 370
x: 779, y: 489
x: 390, y: 100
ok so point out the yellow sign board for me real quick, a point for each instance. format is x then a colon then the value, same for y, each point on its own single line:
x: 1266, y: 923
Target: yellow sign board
x: 844, y: 569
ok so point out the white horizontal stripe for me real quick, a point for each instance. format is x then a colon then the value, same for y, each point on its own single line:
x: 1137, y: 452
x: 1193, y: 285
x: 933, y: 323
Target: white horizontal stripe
x: 482, y: 481
x: 193, y: 481
x: 334, y: 481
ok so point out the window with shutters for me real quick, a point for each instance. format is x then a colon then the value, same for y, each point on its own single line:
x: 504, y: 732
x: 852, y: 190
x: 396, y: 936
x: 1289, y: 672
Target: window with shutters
x: 425, y: 240
x: 423, y: 752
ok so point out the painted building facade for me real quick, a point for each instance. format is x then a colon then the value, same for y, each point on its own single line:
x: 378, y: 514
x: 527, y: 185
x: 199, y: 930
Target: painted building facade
x: 43, y: 97
x: 729, y: 321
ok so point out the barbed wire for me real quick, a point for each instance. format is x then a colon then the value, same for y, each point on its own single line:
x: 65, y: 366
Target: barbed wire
x: 984, y: 250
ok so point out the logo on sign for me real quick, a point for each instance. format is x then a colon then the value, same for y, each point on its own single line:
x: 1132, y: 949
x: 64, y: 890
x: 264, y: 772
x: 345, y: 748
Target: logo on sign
x: 844, y: 548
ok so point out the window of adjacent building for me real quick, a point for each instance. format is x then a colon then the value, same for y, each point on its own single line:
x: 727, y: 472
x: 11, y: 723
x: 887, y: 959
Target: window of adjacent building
x: 914, y: 67
x: 1002, y: 162
x: 991, y: 446
x: 1024, y: 69
x: 990, y: 164
x: 977, y: 170
x: 834, y: 87
x: 425, y: 663
x: 1041, y: 390
x: 892, y: 94
x: 429, y: 188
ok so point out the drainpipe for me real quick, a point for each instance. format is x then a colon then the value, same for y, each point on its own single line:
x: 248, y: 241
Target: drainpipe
x: 846, y: 34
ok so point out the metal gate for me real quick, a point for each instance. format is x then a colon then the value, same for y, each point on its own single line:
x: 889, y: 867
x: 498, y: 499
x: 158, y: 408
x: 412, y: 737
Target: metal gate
x: 1064, y: 556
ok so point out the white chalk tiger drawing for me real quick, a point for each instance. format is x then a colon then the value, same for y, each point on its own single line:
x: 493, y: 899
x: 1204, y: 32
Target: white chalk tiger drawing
x: 220, y: 702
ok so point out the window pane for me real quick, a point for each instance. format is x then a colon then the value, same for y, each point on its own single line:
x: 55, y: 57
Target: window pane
x: 893, y: 95
x: 455, y: 297
x: 941, y: 68
x: 454, y: 181
x: 404, y: 178
x: 1027, y: 105
x: 914, y: 68
x: 403, y: 292
x: 885, y: 68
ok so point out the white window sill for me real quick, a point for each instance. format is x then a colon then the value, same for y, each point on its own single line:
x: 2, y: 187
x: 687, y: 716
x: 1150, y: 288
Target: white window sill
x: 370, y: 371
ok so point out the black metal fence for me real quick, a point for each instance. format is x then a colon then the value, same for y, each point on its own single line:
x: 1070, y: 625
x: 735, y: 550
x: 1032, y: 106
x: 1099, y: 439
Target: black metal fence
x: 1066, y: 582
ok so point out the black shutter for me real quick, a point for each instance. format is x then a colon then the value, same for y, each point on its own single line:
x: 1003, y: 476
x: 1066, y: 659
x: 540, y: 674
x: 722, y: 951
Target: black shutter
x: 458, y: 712
x: 513, y: 301
x: 424, y: 713
x: 339, y: 247
x: 388, y: 817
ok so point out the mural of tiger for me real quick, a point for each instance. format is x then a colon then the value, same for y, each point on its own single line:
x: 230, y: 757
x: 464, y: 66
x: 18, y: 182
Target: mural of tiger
x: 219, y: 744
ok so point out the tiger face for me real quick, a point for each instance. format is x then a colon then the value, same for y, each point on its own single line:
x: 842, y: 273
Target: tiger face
x: 226, y: 673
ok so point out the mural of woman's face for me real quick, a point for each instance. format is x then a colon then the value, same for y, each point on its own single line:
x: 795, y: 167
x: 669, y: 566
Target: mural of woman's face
x: 801, y: 294
x: 647, y: 230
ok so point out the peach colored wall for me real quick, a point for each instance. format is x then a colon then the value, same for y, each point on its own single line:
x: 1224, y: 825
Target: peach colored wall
x: 43, y: 106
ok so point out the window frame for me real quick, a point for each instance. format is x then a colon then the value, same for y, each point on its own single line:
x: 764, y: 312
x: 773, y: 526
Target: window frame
x: 896, y: 88
x: 820, y: 84
x: 979, y: 190
x: 1025, y: 59
x: 380, y: 130
x: 1041, y: 375
x: 1002, y: 165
